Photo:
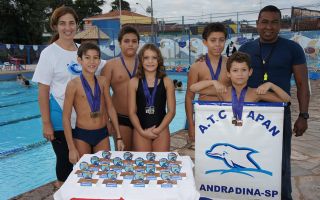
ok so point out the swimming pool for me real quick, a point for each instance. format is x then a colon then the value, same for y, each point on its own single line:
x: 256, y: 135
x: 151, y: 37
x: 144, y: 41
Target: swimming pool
x: 27, y: 161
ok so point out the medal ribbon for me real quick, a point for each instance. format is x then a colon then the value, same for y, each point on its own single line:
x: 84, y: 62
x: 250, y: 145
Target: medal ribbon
x: 93, y: 99
x: 214, y: 76
x: 134, y: 69
x: 237, y: 105
x: 265, y: 61
x: 149, y: 98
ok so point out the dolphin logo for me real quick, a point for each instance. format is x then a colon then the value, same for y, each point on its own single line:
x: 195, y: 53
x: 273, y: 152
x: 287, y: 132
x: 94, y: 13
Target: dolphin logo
x: 238, y: 159
x: 74, y: 68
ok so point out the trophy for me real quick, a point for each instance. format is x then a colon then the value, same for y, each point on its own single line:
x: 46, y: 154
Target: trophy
x: 118, y: 163
x: 164, y: 163
x: 166, y: 181
x: 84, y: 166
x: 175, y: 169
x: 151, y: 156
x: 106, y: 155
x: 138, y: 180
x: 86, y: 179
x: 87, y: 175
x: 104, y: 167
x: 139, y: 164
x: 94, y: 163
x: 128, y: 168
x: 94, y: 160
x: 111, y: 180
x: 172, y: 157
x: 112, y: 175
x: 165, y: 175
x: 150, y: 171
x: 127, y: 156
x: 129, y: 171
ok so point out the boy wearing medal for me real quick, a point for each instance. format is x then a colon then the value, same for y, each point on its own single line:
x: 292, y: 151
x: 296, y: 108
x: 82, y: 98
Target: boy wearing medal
x: 150, y: 93
x: 214, y: 68
x: 91, y: 100
x: 239, y: 71
x: 118, y: 72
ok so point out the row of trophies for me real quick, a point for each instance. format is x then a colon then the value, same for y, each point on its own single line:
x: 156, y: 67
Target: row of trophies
x: 139, y: 170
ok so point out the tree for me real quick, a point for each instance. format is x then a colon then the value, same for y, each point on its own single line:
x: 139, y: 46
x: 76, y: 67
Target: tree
x: 22, y: 21
x: 124, y: 5
x: 85, y: 8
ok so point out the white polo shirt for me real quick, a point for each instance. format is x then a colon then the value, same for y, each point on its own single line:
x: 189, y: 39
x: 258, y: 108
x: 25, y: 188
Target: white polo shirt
x: 56, y: 67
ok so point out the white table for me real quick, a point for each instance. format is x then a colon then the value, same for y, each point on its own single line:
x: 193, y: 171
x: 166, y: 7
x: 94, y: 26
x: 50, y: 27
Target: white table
x: 184, y: 190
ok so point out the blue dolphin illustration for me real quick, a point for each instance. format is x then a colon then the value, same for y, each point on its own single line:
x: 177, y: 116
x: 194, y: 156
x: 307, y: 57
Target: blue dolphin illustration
x: 233, y: 157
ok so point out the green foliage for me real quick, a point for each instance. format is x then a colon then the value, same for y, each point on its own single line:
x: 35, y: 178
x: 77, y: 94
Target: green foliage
x: 86, y: 8
x: 124, y: 5
x: 24, y: 21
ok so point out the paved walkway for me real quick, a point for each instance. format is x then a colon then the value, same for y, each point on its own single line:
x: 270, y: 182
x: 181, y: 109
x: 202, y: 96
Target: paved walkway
x: 305, y: 157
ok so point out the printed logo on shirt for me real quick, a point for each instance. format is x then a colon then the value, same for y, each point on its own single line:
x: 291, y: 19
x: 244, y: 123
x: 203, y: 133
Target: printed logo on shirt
x: 74, y: 68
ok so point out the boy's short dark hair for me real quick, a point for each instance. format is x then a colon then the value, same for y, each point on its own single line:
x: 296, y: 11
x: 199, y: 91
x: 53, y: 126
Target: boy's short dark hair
x: 269, y: 8
x: 239, y: 57
x: 126, y: 30
x: 214, y: 27
x: 84, y: 47
x: 179, y: 84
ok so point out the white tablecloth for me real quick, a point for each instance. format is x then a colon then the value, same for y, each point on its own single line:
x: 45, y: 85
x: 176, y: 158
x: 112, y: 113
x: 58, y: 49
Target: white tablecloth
x: 184, y: 190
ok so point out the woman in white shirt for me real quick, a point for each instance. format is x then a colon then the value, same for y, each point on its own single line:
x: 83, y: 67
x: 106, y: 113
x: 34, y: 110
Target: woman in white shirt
x: 56, y: 67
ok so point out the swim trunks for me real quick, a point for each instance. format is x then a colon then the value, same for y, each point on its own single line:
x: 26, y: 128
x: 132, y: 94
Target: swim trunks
x: 92, y: 137
x: 124, y: 120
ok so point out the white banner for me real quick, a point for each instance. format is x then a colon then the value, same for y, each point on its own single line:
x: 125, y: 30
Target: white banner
x: 238, y: 162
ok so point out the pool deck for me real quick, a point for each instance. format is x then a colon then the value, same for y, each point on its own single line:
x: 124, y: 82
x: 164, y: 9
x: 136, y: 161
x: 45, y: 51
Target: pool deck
x: 11, y: 73
x: 305, y: 157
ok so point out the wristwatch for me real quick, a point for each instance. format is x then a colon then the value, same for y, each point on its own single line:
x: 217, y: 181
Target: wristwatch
x: 304, y: 115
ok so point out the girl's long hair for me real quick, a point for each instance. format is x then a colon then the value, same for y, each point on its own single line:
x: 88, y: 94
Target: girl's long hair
x: 57, y: 13
x: 160, y: 69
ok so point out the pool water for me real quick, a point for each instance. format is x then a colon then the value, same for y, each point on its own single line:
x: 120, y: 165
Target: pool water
x: 27, y: 161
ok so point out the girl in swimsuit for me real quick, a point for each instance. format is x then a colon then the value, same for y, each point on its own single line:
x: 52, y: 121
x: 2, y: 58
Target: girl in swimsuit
x: 151, y: 94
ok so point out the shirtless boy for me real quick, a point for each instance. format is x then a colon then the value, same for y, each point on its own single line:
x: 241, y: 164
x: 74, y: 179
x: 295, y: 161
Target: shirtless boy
x: 214, y: 38
x: 239, y: 71
x: 118, y: 73
x: 91, y: 100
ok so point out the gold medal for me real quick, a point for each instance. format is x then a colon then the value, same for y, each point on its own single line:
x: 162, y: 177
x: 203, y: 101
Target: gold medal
x: 238, y: 123
x: 95, y: 114
x: 234, y: 120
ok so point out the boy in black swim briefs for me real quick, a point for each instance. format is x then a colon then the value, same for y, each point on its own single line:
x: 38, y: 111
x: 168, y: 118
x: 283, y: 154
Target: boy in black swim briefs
x: 91, y: 101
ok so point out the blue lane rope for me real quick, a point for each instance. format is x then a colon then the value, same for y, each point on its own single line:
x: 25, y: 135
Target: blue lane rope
x: 17, y: 103
x: 19, y: 120
x: 28, y: 147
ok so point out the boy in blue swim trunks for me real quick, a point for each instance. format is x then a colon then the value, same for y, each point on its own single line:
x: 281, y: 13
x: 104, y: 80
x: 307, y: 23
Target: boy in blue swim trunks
x: 92, y: 102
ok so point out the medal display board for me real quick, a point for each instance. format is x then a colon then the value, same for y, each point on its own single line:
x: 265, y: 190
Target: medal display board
x: 131, y: 175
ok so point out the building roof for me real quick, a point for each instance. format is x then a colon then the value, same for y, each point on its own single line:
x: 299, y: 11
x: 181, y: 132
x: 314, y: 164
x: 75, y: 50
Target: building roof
x: 114, y: 14
x: 92, y: 33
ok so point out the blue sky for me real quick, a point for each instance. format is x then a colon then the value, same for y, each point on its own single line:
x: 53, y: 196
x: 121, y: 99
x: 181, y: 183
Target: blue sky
x: 216, y: 10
